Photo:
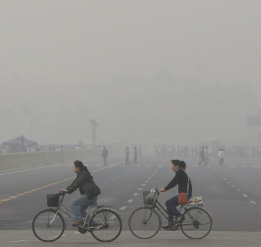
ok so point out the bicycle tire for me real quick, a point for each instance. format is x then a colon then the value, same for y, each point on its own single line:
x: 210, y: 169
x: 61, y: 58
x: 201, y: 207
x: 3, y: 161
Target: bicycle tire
x: 144, y: 222
x: 43, y: 230
x: 197, y: 223
x: 105, y: 225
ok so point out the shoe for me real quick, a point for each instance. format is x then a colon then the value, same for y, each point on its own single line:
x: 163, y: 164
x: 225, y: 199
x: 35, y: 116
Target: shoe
x: 78, y: 223
x: 168, y: 226
x: 182, y: 218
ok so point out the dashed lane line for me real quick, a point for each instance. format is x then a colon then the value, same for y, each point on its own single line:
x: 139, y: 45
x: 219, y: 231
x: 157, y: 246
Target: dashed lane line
x: 123, y: 208
x: 135, y: 194
x: 129, y: 201
x: 238, y: 190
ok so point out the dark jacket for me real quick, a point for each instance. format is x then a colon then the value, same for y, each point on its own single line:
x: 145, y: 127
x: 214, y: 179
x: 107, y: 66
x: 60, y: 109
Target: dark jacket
x: 84, y: 182
x: 180, y: 179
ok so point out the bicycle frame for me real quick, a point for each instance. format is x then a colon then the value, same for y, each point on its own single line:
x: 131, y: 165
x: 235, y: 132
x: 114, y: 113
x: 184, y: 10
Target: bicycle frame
x: 66, y: 211
x: 157, y: 205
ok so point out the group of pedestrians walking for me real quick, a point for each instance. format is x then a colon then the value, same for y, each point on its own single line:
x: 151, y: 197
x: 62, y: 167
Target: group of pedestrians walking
x: 204, y: 156
x: 127, y: 156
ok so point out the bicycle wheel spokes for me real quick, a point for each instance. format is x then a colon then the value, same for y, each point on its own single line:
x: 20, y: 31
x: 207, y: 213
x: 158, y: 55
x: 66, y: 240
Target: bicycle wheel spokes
x: 197, y: 223
x: 144, y: 222
x: 48, y: 226
x: 105, y: 225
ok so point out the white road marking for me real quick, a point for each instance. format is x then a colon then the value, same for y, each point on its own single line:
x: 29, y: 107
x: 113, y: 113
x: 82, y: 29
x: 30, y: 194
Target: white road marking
x: 225, y: 179
x: 18, y: 241
x: 146, y: 181
x: 253, y: 202
x: 139, y: 188
x: 244, y: 166
x: 232, y: 185
x: 228, y: 182
x: 131, y: 200
x: 143, y: 185
x: 238, y: 190
x: 135, y: 194
x: 244, y: 195
x: 123, y: 208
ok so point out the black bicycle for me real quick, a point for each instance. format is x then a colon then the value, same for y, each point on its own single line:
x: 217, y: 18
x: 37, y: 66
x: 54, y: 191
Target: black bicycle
x: 103, y: 222
x: 145, y: 222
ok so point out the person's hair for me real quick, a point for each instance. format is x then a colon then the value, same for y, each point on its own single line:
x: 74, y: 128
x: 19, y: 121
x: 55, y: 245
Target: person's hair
x: 180, y: 164
x: 78, y: 163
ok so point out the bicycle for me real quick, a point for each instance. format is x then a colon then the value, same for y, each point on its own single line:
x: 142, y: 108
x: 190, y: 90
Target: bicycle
x: 145, y: 222
x: 103, y: 222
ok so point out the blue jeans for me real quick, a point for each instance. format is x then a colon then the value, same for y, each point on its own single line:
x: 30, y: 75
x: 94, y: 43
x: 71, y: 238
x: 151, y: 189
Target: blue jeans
x: 171, y: 205
x: 79, y: 206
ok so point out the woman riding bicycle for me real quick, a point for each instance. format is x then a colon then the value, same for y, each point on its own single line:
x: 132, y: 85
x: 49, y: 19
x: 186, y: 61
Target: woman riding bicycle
x: 88, y: 189
x: 180, y: 179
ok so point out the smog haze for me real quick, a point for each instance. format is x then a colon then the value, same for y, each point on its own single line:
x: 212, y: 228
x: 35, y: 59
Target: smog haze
x: 147, y: 71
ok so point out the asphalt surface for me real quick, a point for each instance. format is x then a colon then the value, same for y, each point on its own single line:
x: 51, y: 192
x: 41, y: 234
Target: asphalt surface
x: 232, y: 197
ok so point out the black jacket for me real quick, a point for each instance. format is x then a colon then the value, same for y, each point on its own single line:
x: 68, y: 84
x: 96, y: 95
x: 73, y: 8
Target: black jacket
x: 84, y: 182
x: 180, y: 179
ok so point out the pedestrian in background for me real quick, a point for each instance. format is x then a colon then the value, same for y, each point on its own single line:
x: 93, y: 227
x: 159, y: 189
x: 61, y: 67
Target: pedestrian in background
x: 105, y: 155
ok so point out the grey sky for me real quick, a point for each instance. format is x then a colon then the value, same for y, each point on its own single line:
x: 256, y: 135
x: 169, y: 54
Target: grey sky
x: 93, y: 40
x: 144, y: 69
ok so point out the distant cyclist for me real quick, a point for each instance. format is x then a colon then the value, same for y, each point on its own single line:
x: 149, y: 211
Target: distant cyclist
x: 88, y: 189
x: 180, y: 179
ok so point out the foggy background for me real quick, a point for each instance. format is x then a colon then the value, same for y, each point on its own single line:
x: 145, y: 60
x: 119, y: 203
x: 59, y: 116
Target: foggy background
x: 146, y: 71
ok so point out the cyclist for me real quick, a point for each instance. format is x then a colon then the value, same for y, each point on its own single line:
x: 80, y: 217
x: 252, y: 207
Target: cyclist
x: 180, y: 179
x: 88, y: 189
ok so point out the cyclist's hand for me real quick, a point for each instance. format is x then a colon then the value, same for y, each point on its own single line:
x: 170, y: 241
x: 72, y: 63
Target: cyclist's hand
x: 64, y: 191
x: 162, y: 190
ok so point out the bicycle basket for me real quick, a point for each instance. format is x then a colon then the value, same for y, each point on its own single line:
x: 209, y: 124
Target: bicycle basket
x: 148, y: 197
x: 53, y: 200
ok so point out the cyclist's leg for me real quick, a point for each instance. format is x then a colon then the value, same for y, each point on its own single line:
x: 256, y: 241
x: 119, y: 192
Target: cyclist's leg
x: 76, y: 205
x: 83, y: 208
x: 171, y: 205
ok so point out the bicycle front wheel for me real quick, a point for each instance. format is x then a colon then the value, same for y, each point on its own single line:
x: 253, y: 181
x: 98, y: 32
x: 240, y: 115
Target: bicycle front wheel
x: 144, y: 222
x: 197, y: 223
x: 48, y: 225
x: 105, y: 225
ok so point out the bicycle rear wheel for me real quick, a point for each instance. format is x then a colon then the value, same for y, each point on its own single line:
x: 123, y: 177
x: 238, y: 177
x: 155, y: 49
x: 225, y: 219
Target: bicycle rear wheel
x: 48, y: 225
x: 144, y: 222
x: 105, y: 225
x: 197, y: 223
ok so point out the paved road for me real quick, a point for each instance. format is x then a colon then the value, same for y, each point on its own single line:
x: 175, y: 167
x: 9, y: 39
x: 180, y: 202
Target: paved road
x: 231, y: 193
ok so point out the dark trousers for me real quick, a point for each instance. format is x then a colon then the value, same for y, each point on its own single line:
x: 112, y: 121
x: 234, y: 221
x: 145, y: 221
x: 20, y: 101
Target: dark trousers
x: 171, y: 205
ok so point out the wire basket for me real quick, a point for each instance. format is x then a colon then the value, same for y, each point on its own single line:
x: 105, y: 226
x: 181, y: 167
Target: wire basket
x: 148, y: 197
x: 53, y: 200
